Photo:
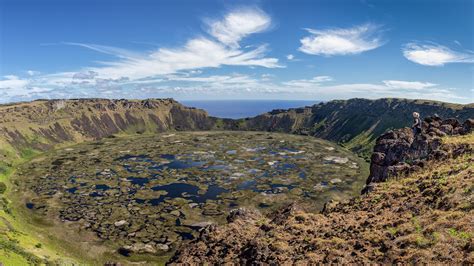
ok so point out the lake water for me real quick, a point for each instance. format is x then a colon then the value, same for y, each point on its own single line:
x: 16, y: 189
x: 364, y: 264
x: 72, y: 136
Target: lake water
x: 244, y: 108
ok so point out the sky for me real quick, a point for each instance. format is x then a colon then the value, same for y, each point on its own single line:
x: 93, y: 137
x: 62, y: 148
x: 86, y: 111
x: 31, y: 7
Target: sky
x: 216, y: 49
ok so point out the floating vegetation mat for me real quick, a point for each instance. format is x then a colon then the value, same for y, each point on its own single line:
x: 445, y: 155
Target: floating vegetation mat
x: 148, y: 194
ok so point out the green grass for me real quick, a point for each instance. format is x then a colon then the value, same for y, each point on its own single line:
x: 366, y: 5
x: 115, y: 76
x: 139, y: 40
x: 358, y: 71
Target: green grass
x: 459, y: 234
x: 17, y: 253
x: 11, y: 258
x: 27, y: 153
x: 392, y: 230
x: 18, y: 243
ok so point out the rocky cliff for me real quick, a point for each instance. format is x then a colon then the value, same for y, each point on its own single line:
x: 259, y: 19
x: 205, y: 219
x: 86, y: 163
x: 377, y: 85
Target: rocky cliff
x: 400, y: 152
x: 354, y: 123
x: 40, y: 125
x: 419, y: 210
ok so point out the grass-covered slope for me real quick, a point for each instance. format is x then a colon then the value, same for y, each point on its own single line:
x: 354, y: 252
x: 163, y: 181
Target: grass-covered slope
x: 426, y: 217
x: 354, y: 123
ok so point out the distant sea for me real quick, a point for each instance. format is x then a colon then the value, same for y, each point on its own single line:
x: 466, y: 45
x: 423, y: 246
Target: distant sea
x: 244, y: 108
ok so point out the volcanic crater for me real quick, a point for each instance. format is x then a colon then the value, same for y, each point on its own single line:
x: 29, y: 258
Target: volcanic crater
x: 145, y: 195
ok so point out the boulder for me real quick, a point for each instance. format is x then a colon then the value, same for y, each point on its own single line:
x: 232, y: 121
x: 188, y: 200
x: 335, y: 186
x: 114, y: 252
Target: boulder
x: 439, y: 154
x: 468, y: 125
x: 399, y: 169
x: 120, y: 223
x: 436, y: 132
x: 451, y: 121
x: 139, y: 248
x: 448, y: 129
x: 201, y: 225
x: 378, y: 157
x: 162, y: 247
x: 243, y: 214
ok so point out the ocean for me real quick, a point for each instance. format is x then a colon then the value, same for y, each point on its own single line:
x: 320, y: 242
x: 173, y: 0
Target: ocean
x: 244, y: 108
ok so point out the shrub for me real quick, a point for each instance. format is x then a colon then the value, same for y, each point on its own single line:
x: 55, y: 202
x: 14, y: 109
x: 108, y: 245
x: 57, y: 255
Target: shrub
x: 3, y: 188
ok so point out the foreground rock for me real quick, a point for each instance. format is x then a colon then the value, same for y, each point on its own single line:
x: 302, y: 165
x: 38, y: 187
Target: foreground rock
x: 400, y: 152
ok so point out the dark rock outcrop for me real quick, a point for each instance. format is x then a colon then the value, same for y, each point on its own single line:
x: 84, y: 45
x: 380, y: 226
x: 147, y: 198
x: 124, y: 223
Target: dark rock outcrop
x: 400, y: 152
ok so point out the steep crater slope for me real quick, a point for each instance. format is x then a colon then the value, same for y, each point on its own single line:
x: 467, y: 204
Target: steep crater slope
x: 26, y: 128
x: 417, y: 211
x: 354, y: 123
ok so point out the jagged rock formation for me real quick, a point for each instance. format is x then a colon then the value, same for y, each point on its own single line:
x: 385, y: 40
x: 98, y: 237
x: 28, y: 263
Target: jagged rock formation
x: 425, y: 217
x: 400, y: 152
x: 354, y: 123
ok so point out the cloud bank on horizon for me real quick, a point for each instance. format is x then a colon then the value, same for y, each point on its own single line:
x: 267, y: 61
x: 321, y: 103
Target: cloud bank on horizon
x: 233, y: 57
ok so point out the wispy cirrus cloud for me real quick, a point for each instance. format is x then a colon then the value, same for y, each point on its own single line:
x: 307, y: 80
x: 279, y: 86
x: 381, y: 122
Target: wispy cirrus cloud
x: 342, y: 41
x: 106, y: 49
x: 200, y: 52
x: 432, y: 54
x: 196, y: 54
x: 304, y: 83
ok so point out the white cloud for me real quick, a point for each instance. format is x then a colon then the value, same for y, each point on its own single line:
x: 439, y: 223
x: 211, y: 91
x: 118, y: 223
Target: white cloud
x: 33, y: 72
x: 267, y: 77
x: 414, y: 85
x: 110, y: 50
x: 236, y: 85
x: 12, y: 82
x: 221, y: 79
x: 12, y: 86
x: 340, y: 41
x: 238, y: 24
x: 244, y: 86
x: 131, y: 70
x: 290, y: 57
x: 85, y: 75
x: 435, y: 54
x: 305, y: 83
x: 195, y: 54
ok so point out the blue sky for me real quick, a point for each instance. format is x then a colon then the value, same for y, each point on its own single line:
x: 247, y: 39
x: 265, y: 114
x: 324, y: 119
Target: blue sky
x: 311, y: 50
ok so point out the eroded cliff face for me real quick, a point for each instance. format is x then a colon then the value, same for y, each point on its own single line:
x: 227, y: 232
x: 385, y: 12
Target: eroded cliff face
x: 43, y: 124
x: 419, y: 210
x: 354, y: 123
